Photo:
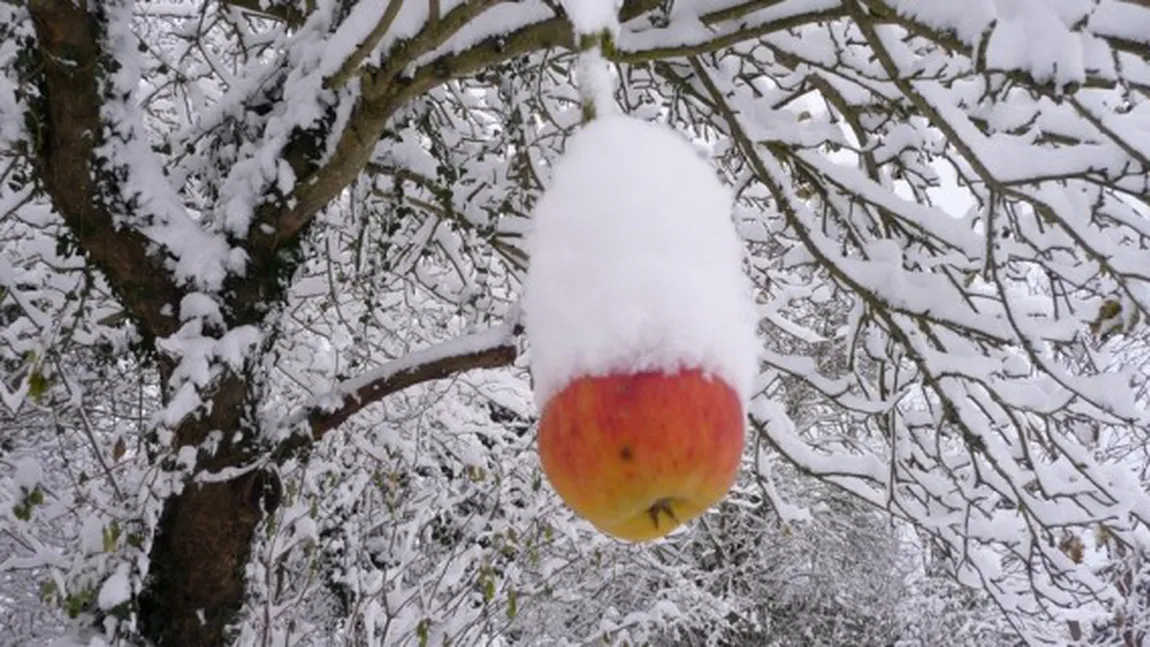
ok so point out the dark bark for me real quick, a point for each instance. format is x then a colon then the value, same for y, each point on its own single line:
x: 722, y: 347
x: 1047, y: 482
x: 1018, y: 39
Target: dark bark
x: 203, y: 541
x: 197, y: 565
x: 69, y: 125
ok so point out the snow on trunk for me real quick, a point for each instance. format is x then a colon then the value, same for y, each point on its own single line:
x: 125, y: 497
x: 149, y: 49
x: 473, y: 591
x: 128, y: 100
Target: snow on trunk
x: 635, y: 264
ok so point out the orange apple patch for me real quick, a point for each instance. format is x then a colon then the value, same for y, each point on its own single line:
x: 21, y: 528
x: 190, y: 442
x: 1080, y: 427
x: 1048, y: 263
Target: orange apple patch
x: 638, y: 455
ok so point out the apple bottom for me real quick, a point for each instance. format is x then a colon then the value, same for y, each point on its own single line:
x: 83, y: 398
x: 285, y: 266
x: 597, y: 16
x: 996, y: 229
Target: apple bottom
x: 640, y: 454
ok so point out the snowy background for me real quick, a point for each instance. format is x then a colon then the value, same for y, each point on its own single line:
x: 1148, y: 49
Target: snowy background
x: 253, y: 238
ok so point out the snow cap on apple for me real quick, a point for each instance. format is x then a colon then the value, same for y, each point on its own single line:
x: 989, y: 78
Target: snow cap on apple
x: 641, y: 328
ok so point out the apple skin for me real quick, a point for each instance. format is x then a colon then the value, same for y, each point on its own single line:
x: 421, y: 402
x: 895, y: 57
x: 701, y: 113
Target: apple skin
x: 640, y: 454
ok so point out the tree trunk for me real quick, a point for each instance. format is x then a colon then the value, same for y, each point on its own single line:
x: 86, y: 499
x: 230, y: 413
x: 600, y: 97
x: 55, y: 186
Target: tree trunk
x: 203, y: 542
x: 202, y: 545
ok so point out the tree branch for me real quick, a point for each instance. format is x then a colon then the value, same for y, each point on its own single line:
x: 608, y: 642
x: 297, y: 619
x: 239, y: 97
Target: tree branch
x: 318, y: 185
x: 487, y: 349
x: 284, y: 12
x: 387, y: 88
x: 556, y: 32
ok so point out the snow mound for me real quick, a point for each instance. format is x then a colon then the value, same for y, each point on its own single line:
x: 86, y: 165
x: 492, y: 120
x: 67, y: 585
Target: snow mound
x: 635, y: 264
x: 29, y: 474
x: 116, y: 590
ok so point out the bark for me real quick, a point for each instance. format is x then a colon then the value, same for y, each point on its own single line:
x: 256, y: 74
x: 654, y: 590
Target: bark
x: 203, y: 542
x: 69, y: 122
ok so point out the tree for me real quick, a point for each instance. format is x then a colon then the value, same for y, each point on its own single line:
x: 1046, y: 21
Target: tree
x: 230, y: 227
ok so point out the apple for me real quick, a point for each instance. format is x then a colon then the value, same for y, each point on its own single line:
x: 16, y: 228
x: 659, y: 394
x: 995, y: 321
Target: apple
x: 640, y: 454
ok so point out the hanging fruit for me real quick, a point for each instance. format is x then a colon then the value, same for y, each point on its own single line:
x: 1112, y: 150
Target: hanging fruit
x: 641, y: 329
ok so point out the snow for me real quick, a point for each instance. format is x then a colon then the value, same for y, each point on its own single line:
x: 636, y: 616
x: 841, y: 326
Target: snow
x: 92, y: 535
x: 689, y: 27
x: 592, y: 16
x: 361, y: 21
x: 116, y: 589
x: 9, y: 105
x: 1124, y: 20
x: 200, y: 258
x: 79, y: 638
x: 1031, y: 38
x: 786, y: 439
x: 636, y: 265
x: 29, y: 474
x: 597, y: 83
x: 899, y: 334
x: 966, y: 19
x: 473, y: 343
x: 197, y: 305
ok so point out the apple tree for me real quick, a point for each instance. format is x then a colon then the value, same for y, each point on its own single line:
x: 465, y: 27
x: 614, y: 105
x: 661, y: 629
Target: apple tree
x: 259, y: 267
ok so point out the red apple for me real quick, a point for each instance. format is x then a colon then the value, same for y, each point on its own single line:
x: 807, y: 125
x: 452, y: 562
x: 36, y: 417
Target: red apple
x: 638, y: 455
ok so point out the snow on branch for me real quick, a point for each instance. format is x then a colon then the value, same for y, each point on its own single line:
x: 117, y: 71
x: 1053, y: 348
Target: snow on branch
x: 68, y: 43
x: 490, y: 348
x: 284, y: 12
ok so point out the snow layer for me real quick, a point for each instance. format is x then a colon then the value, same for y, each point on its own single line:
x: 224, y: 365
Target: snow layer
x: 29, y: 474
x: 591, y: 16
x: 1031, y: 37
x: 636, y: 264
x: 116, y: 590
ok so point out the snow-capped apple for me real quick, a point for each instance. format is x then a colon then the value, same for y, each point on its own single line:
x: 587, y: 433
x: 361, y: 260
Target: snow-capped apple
x: 641, y: 327
x: 639, y: 454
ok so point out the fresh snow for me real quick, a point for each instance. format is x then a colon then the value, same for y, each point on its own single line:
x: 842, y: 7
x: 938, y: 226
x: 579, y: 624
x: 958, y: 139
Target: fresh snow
x: 116, y: 590
x: 1030, y: 37
x: 28, y: 474
x: 635, y: 263
x: 592, y: 16
x: 473, y: 343
x: 934, y: 272
x: 597, y: 83
x: 92, y: 535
